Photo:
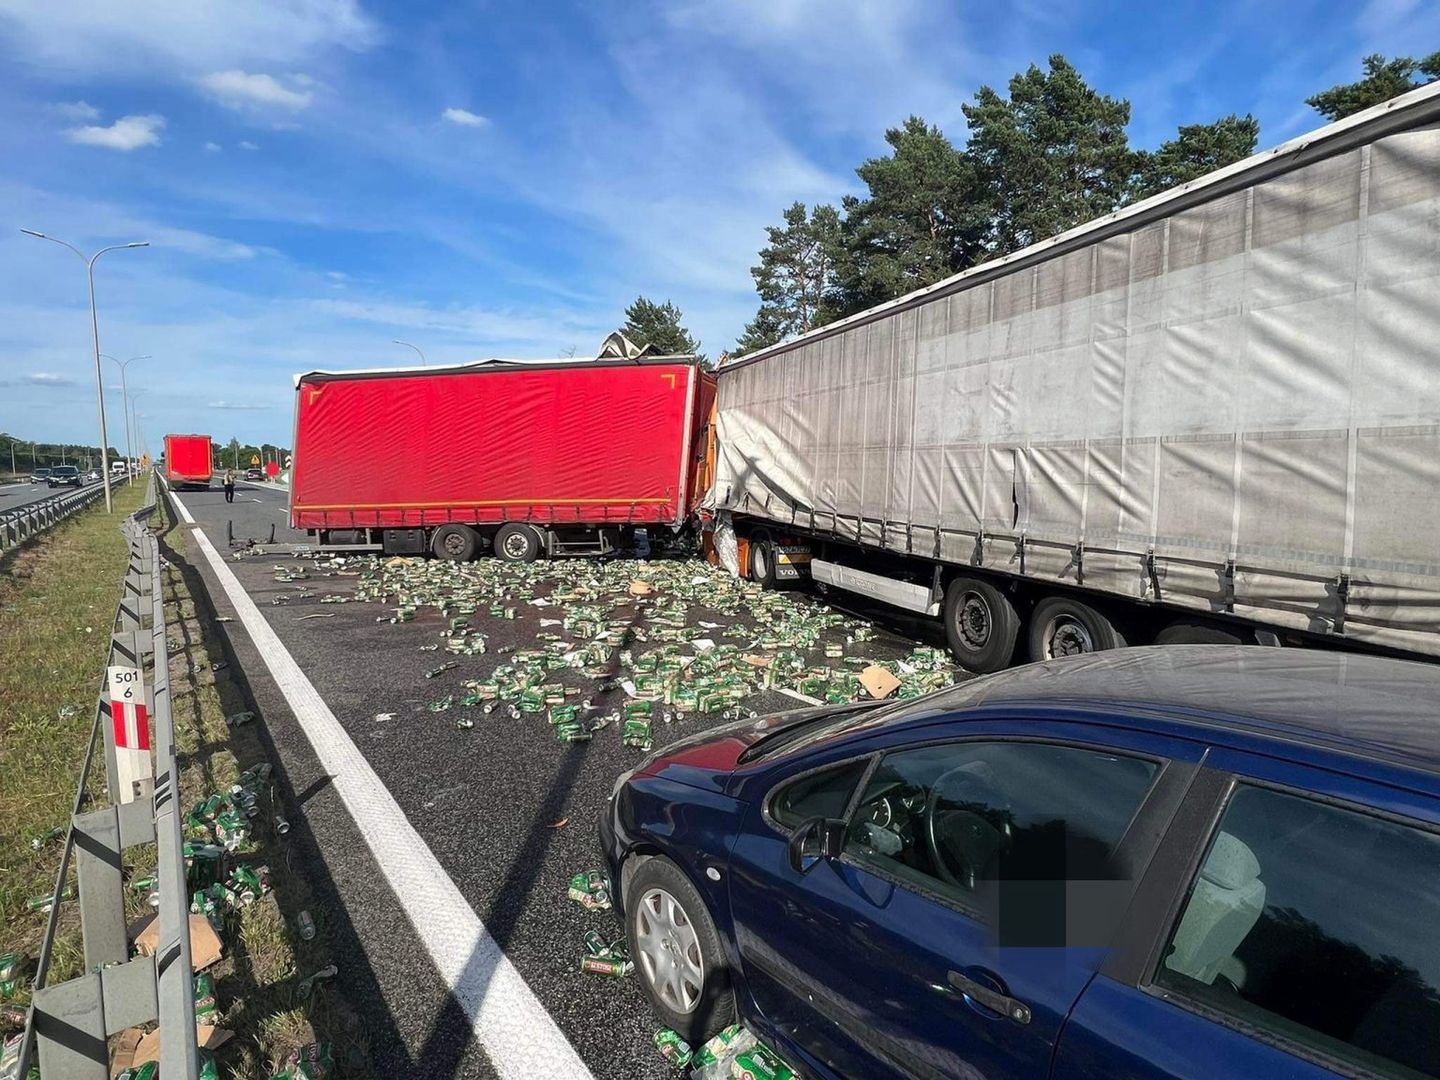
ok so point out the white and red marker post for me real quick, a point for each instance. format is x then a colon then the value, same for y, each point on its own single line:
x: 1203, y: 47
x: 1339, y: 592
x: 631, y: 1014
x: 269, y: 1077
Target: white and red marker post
x: 130, y: 722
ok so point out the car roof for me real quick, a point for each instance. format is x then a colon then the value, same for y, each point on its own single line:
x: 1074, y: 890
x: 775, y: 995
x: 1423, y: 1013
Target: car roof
x: 1365, y: 706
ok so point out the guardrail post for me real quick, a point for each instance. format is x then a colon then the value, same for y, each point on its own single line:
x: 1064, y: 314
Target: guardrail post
x: 102, y: 888
x: 70, y: 1030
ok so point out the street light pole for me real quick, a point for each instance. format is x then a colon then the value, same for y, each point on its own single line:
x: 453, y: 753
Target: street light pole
x: 136, y: 416
x: 124, y: 401
x: 423, y: 361
x: 95, y: 336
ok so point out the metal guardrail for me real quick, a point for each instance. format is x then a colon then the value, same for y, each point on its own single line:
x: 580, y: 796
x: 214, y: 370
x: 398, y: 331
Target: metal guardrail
x: 23, y: 522
x: 69, y: 1022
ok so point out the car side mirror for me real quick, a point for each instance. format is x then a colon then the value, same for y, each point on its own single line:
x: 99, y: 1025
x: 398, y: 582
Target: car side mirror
x: 815, y: 839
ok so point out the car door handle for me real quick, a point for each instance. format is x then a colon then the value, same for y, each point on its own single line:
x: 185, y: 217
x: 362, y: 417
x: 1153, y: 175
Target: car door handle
x: 991, y: 998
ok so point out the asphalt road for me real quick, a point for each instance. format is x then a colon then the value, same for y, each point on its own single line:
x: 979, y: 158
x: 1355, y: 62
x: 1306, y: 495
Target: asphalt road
x: 14, y: 496
x: 507, y: 811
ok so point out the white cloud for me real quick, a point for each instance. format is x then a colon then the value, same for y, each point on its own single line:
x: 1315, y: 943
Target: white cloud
x: 127, y: 133
x: 213, y: 147
x: 241, y: 90
x: 235, y: 406
x: 77, y: 111
x: 246, y: 144
x: 468, y: 323
x: 48, y: 378
x: 465, y: 118
x: 183, y: 36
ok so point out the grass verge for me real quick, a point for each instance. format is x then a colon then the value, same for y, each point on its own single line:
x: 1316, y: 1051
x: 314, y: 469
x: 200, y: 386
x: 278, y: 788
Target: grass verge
x: 57, y: 607
x: 265, y: 986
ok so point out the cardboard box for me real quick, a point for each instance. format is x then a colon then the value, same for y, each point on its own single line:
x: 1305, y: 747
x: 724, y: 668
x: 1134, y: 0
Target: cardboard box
x: 205, y: 947
x: 878, y: 681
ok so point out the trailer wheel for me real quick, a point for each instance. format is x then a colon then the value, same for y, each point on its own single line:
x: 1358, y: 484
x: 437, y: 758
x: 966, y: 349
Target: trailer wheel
x: 762, y: 560
x: 981, y: 625
x: 458, y: 543
x: 517, y: 543
x: 1190, y: 633
x: 1061, y: 626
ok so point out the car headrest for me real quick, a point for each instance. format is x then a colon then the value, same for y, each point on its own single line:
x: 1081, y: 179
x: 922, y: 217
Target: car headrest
x: 1231, y: 864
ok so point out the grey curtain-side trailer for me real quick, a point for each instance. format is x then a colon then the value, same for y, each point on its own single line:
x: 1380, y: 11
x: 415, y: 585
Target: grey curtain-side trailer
x: 1211, y: 416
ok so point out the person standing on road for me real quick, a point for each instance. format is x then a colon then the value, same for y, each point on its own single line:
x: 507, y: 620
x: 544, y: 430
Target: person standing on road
x: 229, y: 485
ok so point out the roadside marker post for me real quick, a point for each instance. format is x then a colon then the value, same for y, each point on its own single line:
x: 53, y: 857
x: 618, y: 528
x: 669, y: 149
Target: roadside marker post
x: 130, y: 728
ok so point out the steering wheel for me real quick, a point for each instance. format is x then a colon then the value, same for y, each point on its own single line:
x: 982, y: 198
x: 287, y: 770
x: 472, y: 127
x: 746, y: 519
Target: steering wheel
x: 962, y: 843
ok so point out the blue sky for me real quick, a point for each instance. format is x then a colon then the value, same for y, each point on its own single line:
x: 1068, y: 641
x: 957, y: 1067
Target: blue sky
x: 319, y: 177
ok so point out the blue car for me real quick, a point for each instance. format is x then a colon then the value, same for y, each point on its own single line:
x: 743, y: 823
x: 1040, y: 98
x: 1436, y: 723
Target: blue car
x: 1194, y: 861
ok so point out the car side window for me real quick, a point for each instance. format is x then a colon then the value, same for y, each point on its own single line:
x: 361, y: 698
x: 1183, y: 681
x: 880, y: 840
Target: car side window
x: 1318, y: 923
x: 825, y: 793
x: 960, y: 817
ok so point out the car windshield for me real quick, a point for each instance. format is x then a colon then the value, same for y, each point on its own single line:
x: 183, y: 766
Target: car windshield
x: 64, y: 470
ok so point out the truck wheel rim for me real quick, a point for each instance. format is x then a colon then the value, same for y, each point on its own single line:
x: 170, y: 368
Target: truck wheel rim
x: 1067, y: 636
x: 454, y: 544
x: 515, y: 546
x: 669, y: 950
x: 975, y: 620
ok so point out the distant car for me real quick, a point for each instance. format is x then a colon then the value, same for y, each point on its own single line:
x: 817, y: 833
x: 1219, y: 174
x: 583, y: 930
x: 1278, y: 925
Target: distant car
x: 93, y: 476
x: 65, y: 476
x: 39, y: 476
x: 254, y: 474
x: 1159, y: 863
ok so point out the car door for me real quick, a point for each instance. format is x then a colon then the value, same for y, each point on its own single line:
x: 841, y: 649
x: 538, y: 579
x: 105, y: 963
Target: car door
x: 1299, y: 938
x: 972, y: 902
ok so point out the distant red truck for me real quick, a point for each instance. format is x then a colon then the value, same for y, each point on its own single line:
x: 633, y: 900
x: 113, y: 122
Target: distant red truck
x: 527, y: 459
x: 189, y: 461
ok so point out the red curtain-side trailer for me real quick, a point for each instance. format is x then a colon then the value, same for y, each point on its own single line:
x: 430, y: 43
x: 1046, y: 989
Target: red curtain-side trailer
x: 189, y: 460
x: 532, y: 458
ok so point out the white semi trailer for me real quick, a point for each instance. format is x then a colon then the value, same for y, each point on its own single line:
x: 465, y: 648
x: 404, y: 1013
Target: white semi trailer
x: 1211, y: 416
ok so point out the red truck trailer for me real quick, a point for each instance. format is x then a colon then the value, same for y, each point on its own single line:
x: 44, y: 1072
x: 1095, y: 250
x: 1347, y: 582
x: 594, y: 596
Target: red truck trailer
x: 189, y: 461
x: 527, y: 459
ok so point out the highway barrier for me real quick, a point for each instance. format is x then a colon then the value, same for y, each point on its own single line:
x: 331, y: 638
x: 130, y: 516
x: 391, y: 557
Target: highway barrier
x: 23, y: 522
x: 69, y: 1022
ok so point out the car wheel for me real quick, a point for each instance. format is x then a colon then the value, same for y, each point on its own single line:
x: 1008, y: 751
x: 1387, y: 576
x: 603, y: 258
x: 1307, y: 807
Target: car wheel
x: 458, y: 543
x: 981, y: 625
x: 677, y: 952
x: 1188, y: 633
x: 517, y: 543
x: 1061, y: 626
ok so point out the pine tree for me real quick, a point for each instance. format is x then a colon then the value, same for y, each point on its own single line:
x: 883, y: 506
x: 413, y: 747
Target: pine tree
x: 1051, y: 156
x: 916, y: 226
x: 795, y: 276
x: 658, y: 325
x: 1384, y: 79
x: 1196, y: 150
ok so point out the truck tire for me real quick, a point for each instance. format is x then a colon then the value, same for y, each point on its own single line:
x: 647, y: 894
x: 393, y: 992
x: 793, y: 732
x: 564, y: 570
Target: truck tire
x: 517, y: 543
x: 762, y: 560
x: 981, y: 625
x: 1062, y: 626
x: 1191, y: 633
x: 458, y: 543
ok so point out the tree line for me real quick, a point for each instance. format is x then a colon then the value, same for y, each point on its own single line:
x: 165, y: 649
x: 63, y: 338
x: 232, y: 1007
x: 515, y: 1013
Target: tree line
x: 26, y: 455
x: 1047, y: 155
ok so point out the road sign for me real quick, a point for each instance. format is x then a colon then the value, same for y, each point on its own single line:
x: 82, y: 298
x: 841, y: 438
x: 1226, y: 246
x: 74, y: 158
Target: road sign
x: 131, y: 723
x: 254, y: 459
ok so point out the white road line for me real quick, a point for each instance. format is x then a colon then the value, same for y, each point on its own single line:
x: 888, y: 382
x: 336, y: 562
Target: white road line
x: 184, y: 513
x: 519, y: 1036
